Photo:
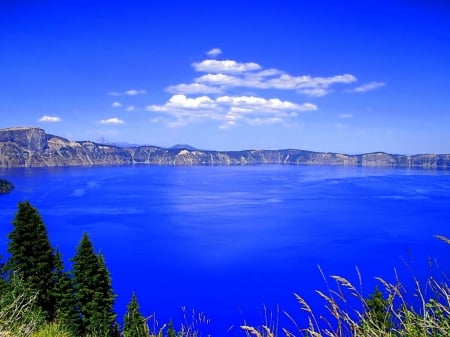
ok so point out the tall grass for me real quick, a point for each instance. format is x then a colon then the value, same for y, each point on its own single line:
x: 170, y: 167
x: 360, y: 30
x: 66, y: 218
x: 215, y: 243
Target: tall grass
x: 17, y: 316
x: 193, y: 324
x: 51, y: 330
x: 419, y: 312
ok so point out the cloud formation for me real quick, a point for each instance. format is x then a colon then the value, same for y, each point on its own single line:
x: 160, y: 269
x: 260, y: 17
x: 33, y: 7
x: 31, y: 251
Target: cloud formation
x: 116, y: 105
x: 193, y: 88
x: 253, y: 110
x: 229, y: 110
x: 225, y: 66
x: 134, y: 92
x: 182, y: 102
x: 368, y: 86
x: 222, y: 75
x: 214, y: 52
x: 235, y: 93
x: 113, y: 120
x: 130, y: 92
x: 50, y: 119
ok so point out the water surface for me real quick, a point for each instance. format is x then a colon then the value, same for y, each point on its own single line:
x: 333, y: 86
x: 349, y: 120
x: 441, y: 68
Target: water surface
x: 227, y: 241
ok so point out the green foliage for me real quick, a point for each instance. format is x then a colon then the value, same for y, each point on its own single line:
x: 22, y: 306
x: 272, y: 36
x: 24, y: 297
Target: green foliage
x: 53, y: 329
x: 5, y: 186
x: 93, y: 291
x: 378, y: 315
x: 32, y: 256
x: 171, y: 330
x: 134, y: 323
x: 66, y: 305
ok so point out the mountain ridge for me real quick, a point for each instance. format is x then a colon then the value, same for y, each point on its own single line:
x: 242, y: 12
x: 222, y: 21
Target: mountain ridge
x: 33, y: 147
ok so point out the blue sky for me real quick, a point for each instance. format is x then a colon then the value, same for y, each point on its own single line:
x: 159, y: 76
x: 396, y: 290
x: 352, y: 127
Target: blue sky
x: 341, y: 76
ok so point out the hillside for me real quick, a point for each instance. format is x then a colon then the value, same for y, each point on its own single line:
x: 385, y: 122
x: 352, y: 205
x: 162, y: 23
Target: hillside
x: 32, y: 147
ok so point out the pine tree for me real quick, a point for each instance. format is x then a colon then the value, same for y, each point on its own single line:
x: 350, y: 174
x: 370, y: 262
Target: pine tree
x: 378, y: 314
x: 171, y: 330
x: 134, y: 324
x: 93, y: 291
x: 31, y: 255
x: 4, y: 285
x: 66, y: 305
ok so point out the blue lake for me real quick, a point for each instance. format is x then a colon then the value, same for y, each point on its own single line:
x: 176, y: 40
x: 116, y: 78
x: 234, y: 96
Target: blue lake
x: 229, y: 241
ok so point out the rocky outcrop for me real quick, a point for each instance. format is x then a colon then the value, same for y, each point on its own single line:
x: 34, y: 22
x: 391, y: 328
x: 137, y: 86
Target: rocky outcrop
x: 33, y: 139
x: 5, y: 186
x: 32, y: 147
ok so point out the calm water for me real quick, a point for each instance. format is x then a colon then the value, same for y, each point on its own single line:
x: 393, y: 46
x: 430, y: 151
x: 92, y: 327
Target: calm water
x: 227, y: 241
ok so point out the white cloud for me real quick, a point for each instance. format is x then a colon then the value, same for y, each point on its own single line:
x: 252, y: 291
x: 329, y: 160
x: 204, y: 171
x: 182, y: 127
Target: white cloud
x: 345, y: 116
x: 272, y: 79
x: 193, y: 88
x: 229, y: 110
x: 225, y: 66
x: 113, y: 120
x: 131, y: 108
x: 314, y: 92
x: 266, y: 73
x: 253, y: 110
x: 221, y: 79
x: 214, y: 52
x: 264, y: 121
x: 368, y: 86
x: 134, y: 92
x: 131, y: 92
x: 309, y: 106
x: 262, y: 104
x: 286, y: 81
x: 222, y: 75
x: 50, y: 119
x: 116, y: 105
x: 182, y: 110
x: 183, y: 102
x: 216, y: 99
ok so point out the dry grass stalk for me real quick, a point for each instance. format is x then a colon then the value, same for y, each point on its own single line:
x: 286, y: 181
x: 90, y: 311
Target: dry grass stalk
x: 251, y: 330
x: 443, y: 238
x: 17, y: 318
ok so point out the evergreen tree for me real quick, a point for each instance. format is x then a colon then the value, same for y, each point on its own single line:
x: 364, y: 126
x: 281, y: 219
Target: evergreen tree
x: 66, y: 305
x: 4, y: 285
x: 378, y: 314
x: 134, y: 324
x: 171, y: 330
x: 93, y: 291
x: 31, y: 256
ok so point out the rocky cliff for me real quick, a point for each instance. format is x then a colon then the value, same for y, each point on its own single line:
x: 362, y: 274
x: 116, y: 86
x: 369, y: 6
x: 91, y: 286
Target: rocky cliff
x: 32, y: 147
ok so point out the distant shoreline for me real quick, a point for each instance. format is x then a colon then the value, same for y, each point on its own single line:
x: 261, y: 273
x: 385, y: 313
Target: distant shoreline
x: 32, y: 147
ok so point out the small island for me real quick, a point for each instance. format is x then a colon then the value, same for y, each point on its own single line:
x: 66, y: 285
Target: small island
x: 5, y: 186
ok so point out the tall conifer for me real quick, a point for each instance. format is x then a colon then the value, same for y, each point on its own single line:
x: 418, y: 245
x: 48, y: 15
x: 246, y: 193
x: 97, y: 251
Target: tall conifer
x: 134, y: 324
x: 93, y: 290
x: 66, y: 305
x: 31, y: 256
